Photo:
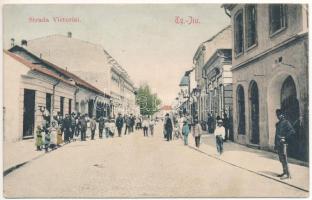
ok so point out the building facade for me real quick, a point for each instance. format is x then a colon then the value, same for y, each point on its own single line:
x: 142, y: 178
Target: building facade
x: 93, y: 64
x: 270, y: 71
x: 218, y: 88
x: 213, y: 76
x: 33, y: 86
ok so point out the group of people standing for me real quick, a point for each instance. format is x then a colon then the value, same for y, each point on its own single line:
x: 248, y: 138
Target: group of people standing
x: 184, y: 125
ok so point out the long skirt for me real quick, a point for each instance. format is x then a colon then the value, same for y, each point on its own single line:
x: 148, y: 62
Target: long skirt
x: 59, y: 139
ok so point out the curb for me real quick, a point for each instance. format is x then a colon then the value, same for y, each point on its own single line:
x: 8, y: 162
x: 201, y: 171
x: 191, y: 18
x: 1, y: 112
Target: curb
x: 252, y: 171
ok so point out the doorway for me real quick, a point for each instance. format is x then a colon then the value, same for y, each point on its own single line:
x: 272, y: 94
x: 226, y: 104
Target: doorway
x: 254, y: 111
x: 290, y: 107
x: 29, y: 113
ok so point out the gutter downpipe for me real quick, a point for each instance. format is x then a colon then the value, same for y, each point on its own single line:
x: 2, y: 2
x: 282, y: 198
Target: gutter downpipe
x: 53, y: 102
x: 75, y: 96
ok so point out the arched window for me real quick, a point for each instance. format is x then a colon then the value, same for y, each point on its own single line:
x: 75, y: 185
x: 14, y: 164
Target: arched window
x: 241, y: 109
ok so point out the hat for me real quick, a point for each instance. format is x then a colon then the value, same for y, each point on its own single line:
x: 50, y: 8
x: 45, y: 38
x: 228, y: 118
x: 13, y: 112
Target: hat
x: 220, y: 121
x: 167, y: 114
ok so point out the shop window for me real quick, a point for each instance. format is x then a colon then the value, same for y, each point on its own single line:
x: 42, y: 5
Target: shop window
x: 251, y: 25
x: 277, y: 17
x: 239, y: 32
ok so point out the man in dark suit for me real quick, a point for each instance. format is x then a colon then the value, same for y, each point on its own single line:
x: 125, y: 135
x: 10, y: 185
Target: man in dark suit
x: 284, y: 131
x: 119, y: 124
x: 67, y: 128
x: 168, y: 127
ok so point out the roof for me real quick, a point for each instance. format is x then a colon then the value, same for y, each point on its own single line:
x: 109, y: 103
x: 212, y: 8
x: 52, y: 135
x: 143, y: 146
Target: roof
x: 36, y: 67
x: 185, y: 81
x: 78, y: 80
x: 59, y: 48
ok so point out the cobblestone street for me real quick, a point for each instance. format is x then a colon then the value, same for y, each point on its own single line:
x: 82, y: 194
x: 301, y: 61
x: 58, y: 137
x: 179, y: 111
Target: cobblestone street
x: 137, y: 166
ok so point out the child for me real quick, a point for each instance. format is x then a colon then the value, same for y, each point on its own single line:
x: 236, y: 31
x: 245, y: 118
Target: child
x: 185, y: 132
x: 39, y: 141
x: 220, y: 134
x: 47, y: 139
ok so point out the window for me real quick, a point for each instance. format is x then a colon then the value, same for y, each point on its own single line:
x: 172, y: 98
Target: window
x: 277, y: 17
x: 48, y: 102
x: 239, y: 33
x: 62, y: 106
x: 251, y: 30
x: 69, y: 106
x: 241, y: 109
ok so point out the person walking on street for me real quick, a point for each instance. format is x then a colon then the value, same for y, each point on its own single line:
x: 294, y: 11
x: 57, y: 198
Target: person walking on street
x: 145, y: 125
x: 210, y: 123
x: 220, y: 135
x: 132, y: 122
x: 168, y: 127
x: 119, y: 124
x: 92, y: 127
x: 185, y: 132
x: 189, y: 120
x: 73, y: 125
x: 128, y: 124
x: 101, y: 126
x: 53, y: 135
x: 197, y: 129
x: 67, y: 128
x: 226, y: 125
x: 284, y: 130
x: 151, y: 127
x: 39, y: 135
x: 84, y: 126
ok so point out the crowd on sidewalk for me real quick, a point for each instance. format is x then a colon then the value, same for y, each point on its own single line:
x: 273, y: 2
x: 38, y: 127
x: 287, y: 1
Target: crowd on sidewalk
x: 57, y: 130
x: 176, y: 126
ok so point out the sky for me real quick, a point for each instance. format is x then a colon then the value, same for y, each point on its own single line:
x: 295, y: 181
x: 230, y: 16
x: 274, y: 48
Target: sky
x: 144, y: 38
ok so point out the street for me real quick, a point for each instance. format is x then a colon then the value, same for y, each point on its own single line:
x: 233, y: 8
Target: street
x: 137, y: 166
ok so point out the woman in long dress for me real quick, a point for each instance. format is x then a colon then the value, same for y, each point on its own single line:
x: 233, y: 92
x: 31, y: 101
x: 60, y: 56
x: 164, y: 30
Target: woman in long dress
x: 53, y: 135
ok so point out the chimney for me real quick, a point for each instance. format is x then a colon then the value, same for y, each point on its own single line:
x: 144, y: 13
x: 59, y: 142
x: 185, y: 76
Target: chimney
x: 24, y: 43
x: 69, y: 34
x: 12, y: 42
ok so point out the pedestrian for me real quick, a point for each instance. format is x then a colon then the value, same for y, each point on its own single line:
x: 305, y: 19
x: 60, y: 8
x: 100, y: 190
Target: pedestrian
x: 119, y: 124
x: 78, y: 127
x: 197, y: 132
x: 145, y: 125
x: 39, y: 140
x: 53, y: 135
x: 185, y: 132
x: 132, y: 122
x: 67, y: 128
x: 92, y: 127
x: 101, y: 121
x: 220, y: 135
x: 189, y: 120
x: 284, y: 131
x: 47, y: 140
x: 83, y: 126
x: 151, y: 126
x: 128, y: 124
x: 226, y: 125
x: 168, y: 127
x: 111, y: 127
x: 73, y: 126
x: 210, y: 123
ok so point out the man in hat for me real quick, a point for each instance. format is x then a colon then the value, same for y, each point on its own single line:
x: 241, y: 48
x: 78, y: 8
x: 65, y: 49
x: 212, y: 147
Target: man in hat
x: 119, y: 124
x: 67, y: 128
x: 284, y: 130
x: 168, y: 127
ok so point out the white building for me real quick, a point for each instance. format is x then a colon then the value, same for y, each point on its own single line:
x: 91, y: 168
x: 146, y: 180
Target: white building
x: 92, y: 63
x: 31, y: 85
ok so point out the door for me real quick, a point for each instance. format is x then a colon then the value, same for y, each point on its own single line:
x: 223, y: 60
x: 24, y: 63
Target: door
x: 290, y: 106
x: 29, y: 113
x: 254, y: 106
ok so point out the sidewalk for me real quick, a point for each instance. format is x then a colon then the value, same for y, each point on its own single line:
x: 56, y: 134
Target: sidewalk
x: 261, y: 162
x: 19, y: 153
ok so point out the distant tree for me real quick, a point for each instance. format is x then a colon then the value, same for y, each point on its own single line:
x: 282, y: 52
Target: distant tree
x: 148, y: 102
